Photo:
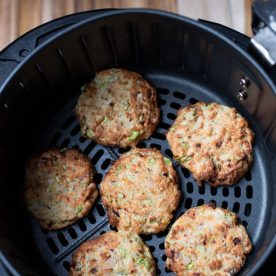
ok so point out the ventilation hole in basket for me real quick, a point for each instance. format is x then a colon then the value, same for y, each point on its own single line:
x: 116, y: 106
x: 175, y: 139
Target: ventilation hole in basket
x: 171, y: 116
x: 72, y: 233
x: 142, y: 145
x: 152, y: 248
x: 225, y: 191
x: 164, y: 125
x: 248, y: 176
x: 66, y: 265
x: 213, y: 202
x: 91, y: 218
x: 200, y: 202
x: 89, y: 148
x: 190, y: 187
x: 159, y: 136
x: 75, y: 130
x: 162, y: 91
x: 237, y: 191
x: 156, y: 146
x: 185, y: 172
x: 236, y: 207
x: 102, y: 232
x: 65, y: 143
x: 105, y: 164
x: 201, y: 189
x: 247, y: 210
x: 55, y: 138
x: 164, y: 257
x: 146, y: 237
x: 163, y: 233
x: 188, y: 203
x: 76, y: 147
x: 82, y: 139
x: 98, y: 178
x: 162, y: 246
x: 62, y: 239
x: 158, y: 271
x: 155, y: 260
x: 175, y: 105
x: 68, y: 122
x: 161, y: 101
x: 169, y: 153
x: 224, y: 204
x: 193, y: 100
x: 52, y: 245
x: 179, y: 95
x: 249, y: 191
x: 123, y: 150
x: 244, y: 223
x: 113, y: 228
x: 100, y: 210
x: 97, y: 156
x: 82, y: 226
x: 167, y: 270
x: 213, y: 191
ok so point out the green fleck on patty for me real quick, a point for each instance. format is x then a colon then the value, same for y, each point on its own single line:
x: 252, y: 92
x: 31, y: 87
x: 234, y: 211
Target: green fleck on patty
x: 90, y: 133
x: 105, y: 120
x: 190, y: 266
x: 144, y: 262
x: 134, y: 135
x: 151, y: 161
x: 167, y: 161
x: 78, y: 209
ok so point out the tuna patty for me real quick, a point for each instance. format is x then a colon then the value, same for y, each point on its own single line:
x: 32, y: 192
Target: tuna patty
x: 118, y: 108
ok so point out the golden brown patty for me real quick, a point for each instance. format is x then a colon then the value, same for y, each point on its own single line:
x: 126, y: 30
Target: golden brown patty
x: 207, y: 240
x: 113, y: 253
x: 59, y: 188
x: 118, y: 108
x: 140, y: 191
x: 213, y: 141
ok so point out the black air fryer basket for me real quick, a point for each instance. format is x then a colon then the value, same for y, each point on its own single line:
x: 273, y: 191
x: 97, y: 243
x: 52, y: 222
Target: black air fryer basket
x: 186, y: 61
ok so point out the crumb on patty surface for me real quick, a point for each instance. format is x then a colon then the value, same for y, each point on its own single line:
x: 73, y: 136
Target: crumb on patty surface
x: 118, y: 108
x: 140, y: 191
x: 207, y: 240
x: 113, y: 253
x: 213, y: 141
x: 59, y: 187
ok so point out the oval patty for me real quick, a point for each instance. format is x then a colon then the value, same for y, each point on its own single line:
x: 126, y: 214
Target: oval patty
x: 207, y: 240
x: 118, y: 108
x: 113, y: 253
x: 213, y: 141
x: 140, y: 191
x: 59, y: 187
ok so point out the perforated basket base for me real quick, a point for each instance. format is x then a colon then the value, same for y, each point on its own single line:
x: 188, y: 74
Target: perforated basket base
x: 247, y: 198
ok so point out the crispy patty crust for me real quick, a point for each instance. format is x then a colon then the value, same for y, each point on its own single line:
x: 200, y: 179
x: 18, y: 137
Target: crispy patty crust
x: 118, y: 108
x: 113, y: 253
x: 140, y: 191
x: 59, y: 187
x: 213, y: 141
x: 207, y: 240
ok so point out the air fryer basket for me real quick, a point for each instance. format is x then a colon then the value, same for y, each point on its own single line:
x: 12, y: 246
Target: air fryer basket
x: 186, y: 62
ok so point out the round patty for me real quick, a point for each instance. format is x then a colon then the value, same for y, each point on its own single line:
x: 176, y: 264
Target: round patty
x: 118, y: 108
x: 207, y: 240
x: 59, y: 188
x: 113, y: 253
x: 140, y: 191
x: 213, y: 141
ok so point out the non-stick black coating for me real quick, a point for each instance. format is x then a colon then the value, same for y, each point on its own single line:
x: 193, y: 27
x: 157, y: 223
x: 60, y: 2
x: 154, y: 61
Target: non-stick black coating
x: 183, y: 71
